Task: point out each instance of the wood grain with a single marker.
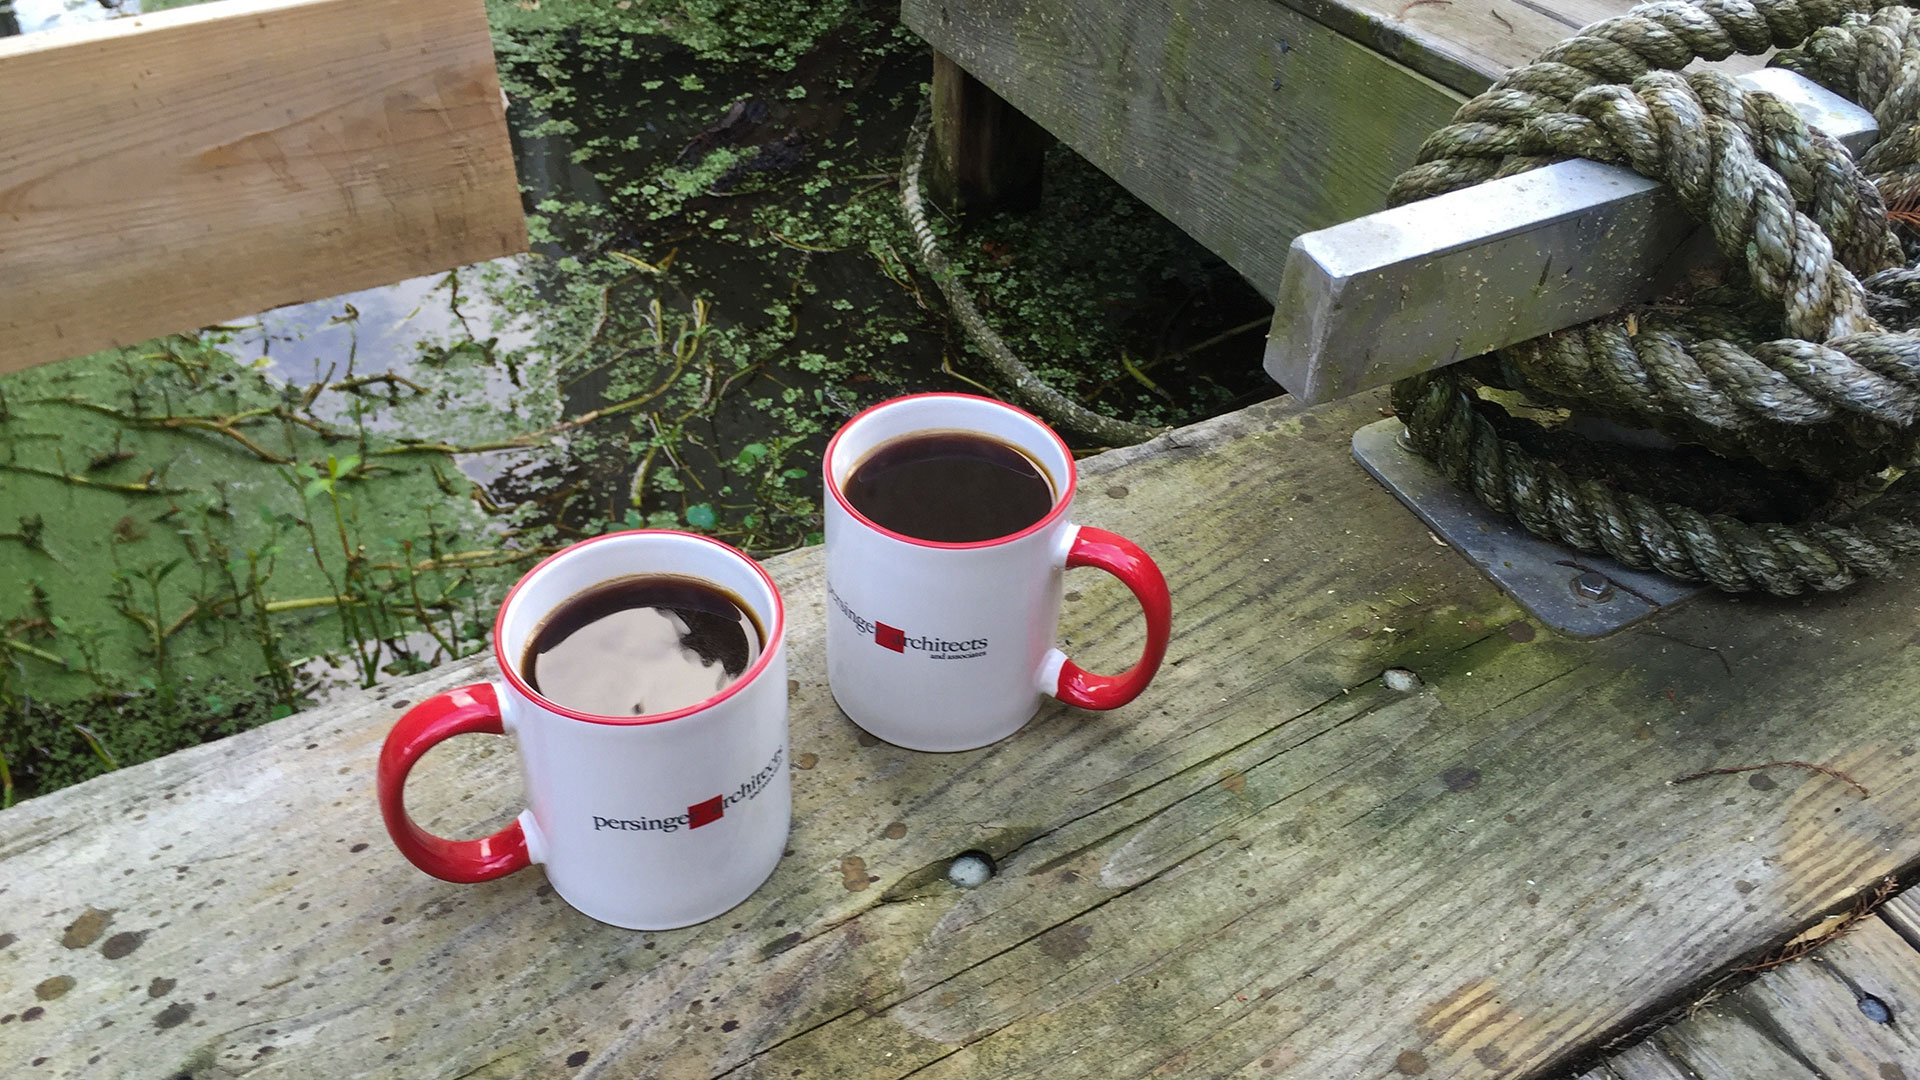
(1269, 865)
(173, 170)
(1804, 1019)
(1464, 46)
(1719, 1044)
(1242, 121)
(1645, 1062)
(1902, 913)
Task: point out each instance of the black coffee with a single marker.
(952, 487)
(641, 645)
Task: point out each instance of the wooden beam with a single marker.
(172, 170)
(1242, 121)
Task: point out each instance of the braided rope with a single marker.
(1030, 389)
(1802, 374)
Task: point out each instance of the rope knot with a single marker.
(1797, 373)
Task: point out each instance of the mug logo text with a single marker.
(897, 640)
(701, 813)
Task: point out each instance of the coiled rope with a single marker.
(1807, 370)
(1027, 388)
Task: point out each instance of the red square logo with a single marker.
(704, 813)
(889, 637)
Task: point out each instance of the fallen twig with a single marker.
(1800, 946)
(138, 487)
(36, 653)
(393, 381)
(1824, 769)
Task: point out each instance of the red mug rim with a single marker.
(776, 636)
(1060, 504)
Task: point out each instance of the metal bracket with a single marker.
(1586, 596)
(1434, 282)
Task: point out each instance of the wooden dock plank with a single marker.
(1240, 121)
(1269, 865)
(1463, 46)
(1719, 1044)
(1813, 1007)
(173, 170)
(1645, 1062)
(1902, 913)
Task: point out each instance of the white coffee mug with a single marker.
(645, 822)
(950, 646)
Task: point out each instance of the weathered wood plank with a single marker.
(1465, 46)
(1719, 1043)
(1269, 865)
(1465, 49)
(1427, 284)
(1813, 1007)
(1646, 1061)
(1243, 122)
(1902, 913)
(173, 170)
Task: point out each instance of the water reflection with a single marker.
(443, 338)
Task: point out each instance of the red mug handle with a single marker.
(470, 709)
(1123, 559)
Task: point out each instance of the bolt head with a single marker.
(1592, 585)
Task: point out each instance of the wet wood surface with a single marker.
(168, 171)
(1270, 865)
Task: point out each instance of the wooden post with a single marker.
(986, 154)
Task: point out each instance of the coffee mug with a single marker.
(646, 822)
(950, 646)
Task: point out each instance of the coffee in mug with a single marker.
(641, 645)
(947, 536)
(655, 812)
(953, 487)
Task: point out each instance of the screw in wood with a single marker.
(970, 870)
